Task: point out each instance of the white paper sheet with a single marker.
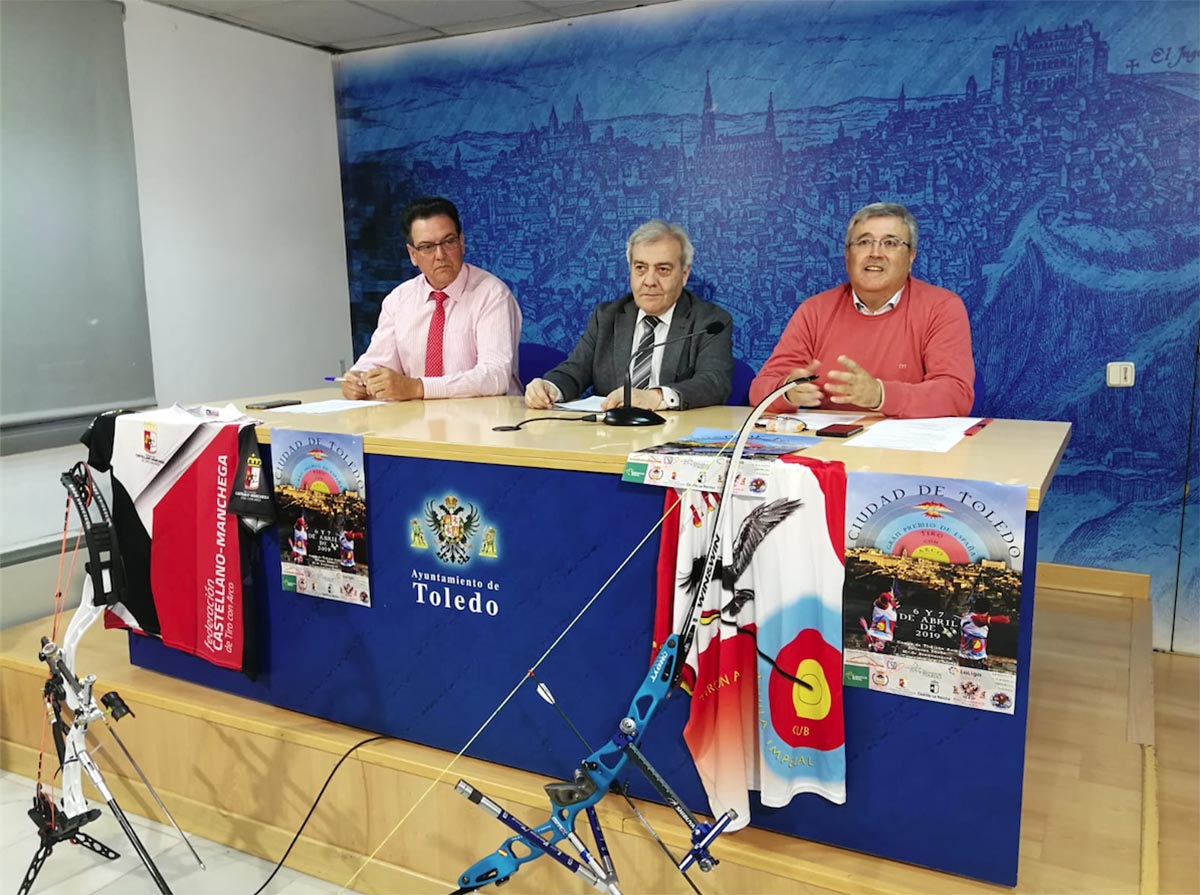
(936, 435)
(583, 405)
(334, 405)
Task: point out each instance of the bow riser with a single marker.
(593, 778)
(504, 862)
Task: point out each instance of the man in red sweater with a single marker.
(885, 341)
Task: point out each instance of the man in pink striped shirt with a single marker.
(451, 332)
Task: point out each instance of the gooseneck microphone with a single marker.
(627, 415)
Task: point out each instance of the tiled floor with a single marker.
(72, 870)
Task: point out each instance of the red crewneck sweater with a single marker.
(921, 351)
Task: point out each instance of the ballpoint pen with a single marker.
(978, 427)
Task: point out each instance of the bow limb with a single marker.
(70, 738)
(720, 546)
(102, 587)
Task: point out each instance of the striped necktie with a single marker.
(437, 328)
(643, 358)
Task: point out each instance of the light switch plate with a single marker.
(1120, 374)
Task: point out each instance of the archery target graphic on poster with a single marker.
(931, 607)
(936, 529)
(320, 490)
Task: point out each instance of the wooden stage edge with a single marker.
(244, 774)
(1101, 582)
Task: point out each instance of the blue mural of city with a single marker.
(1050, 152)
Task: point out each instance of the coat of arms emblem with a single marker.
(150, 438)
(253, 473)
(452, 525)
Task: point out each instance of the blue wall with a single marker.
(1048, 150)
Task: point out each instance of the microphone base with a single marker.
(632, 416)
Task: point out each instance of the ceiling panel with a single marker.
(361, 24)
(387, 40)
(473, 27)
(215, 7)
(439, 13)
(586, 7)
(323, 21)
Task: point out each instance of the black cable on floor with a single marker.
(308, 816)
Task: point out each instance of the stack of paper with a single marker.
(938, 434)
(701, 460)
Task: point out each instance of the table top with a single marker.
(1014, 452)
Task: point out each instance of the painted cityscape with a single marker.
(1049, 151)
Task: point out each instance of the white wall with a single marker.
(241, 215)
(31, 499)
(241, 207)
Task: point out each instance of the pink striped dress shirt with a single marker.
(483, 329)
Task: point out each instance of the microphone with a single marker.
(626, 415)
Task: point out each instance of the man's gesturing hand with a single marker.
(853, 385)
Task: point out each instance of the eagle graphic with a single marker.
(759, 523)
(933, 509)
(452, 525)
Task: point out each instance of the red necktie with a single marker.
(437, 327)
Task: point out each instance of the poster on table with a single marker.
(321, 500)
(931, 606)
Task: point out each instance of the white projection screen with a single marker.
(74, 337)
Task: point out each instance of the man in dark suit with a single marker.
(627, 336)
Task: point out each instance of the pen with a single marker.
(978, 427)
(335, 378)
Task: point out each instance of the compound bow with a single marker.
(103, 587)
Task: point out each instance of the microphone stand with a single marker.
(627, 414)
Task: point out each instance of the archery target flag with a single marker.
(765, 669)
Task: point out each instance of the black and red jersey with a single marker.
(181, 481)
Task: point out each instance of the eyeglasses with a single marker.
(888, 244)
(449, 244)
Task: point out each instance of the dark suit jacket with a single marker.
(699, 369)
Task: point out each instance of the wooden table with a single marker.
(434, 673)
(1013, 452)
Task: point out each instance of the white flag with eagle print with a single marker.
(765, 669)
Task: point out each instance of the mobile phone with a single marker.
(271, 405)
(840, 430)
